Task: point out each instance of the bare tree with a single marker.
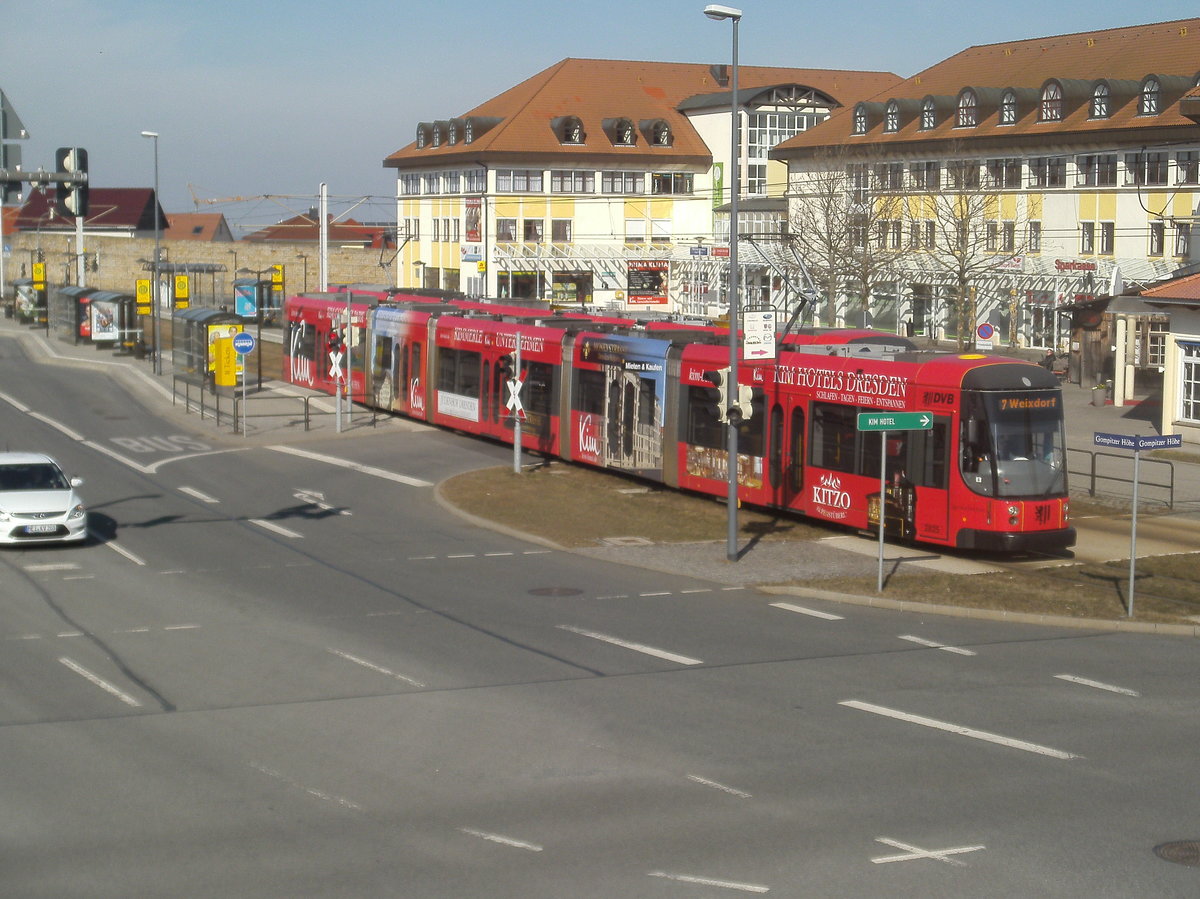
(846, 220)
(977, 232)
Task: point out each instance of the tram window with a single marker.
(303, 341)
(834, 429)
(383, 359)
(458, 372)
(703, 428)
(538, 389)
(358, 349)
(775, 455)
(796, 469)
(589, 397)
(897, 453)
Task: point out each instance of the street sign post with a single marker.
(1137, 443)
(243, 345)
(884, 422)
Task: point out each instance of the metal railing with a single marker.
(242, 415)
(1097, 471)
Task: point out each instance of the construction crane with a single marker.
(212, 202)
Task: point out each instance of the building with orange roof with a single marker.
(606, 181)
(1086, 149)
(205, 226)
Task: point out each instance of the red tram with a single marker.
(989, 475)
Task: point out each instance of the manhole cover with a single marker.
(555, 591)
(1182, 852)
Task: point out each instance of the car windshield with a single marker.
(32, 476)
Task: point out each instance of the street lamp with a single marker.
(718, 12)
(157, 239)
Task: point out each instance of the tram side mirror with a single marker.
(972, 430)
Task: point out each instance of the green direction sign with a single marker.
(895, 421)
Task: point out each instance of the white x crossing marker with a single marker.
(912, 853)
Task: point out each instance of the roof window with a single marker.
(967, 115)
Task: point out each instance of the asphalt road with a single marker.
(282, 669)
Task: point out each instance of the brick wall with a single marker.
(118, 263)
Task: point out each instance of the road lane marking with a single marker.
(14, 402)
(503, 840)
(353, 466)
(99, 682)
(56, 566)
(373, 667)
(741, 794)
(277, 528)
(119, 549)
(46, 419)
(787, 606)
(709, 882)
(912, 853)
(319, 794)
(636, 647)
(934, 645)
(1097, 684)
(196, 494)
(958, 729)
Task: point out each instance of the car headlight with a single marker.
(78, 512)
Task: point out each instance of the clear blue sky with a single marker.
(274, 98)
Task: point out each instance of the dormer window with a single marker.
(1101, 107)
(661, 134)
(968, 110)
(569, 130)
(421, 137)
(860, 119)
(437, 136)
(1150, 97)
(1052, 103)
(625, 133)
(452, 134)
(1008, 108)
(891, 117)
(928, 115)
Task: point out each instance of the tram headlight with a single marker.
(1014, 515)
(1066, 512)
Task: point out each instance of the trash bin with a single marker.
(1099, 395)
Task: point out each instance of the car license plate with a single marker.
(40, 528)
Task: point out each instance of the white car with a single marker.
(38, 503)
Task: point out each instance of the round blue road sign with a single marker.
(243, 343)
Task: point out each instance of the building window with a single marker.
(410, 184)
(1150, 97)
(622, 183)
(925, 175)
(660, 231)
(519, 180)
(1189, 381)
(566, 181)
(1146, 168)
(534, 229)
(964, 174)
(476, 181)
(506, 230)
(1048, 171)
(1183, 242)
(1008, 237)
(453, 182)
(661, 134)
(1096, 170)
(1035, 237)
(889, 176)
(1107, 236)
(891, 117)
(420, 137)
(560, 231)
(928, 116)
(667, 183)
(572, 131)
(914, 235)
(1004, 173)
(993, 236)
(431, 184)
(860, 119)
(624, 134)
(1087, 238)
(635, 230)
(1157, 235)
(1187, 167)
(1156, 342)
(968, 110)
(1008, 108)
(436, 237)
(1100, 102)
(930, 234)
(1052, 103)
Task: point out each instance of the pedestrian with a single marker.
(1048, 360)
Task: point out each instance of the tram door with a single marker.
(632, 439)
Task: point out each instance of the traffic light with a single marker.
(718, 394)
(333, 343)
(71, 198)
(743, 409)
(504, 367)
(10, 158)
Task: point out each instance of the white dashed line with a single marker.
(504, 841)
(709, 882)
(958, 729)
(377, 668)
(788, 607)
(99, 682)
(933, 645)
(278, 529)
(120, 550)
(719, 786)
(196, 494)
(1083, 681)
(636, 647)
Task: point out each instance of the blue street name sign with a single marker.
(1137, 441)
(243, 343)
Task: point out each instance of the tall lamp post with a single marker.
(718, 12)
(153, 135)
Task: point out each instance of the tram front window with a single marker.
(1015, 445)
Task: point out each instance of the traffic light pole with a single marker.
(517, 411)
